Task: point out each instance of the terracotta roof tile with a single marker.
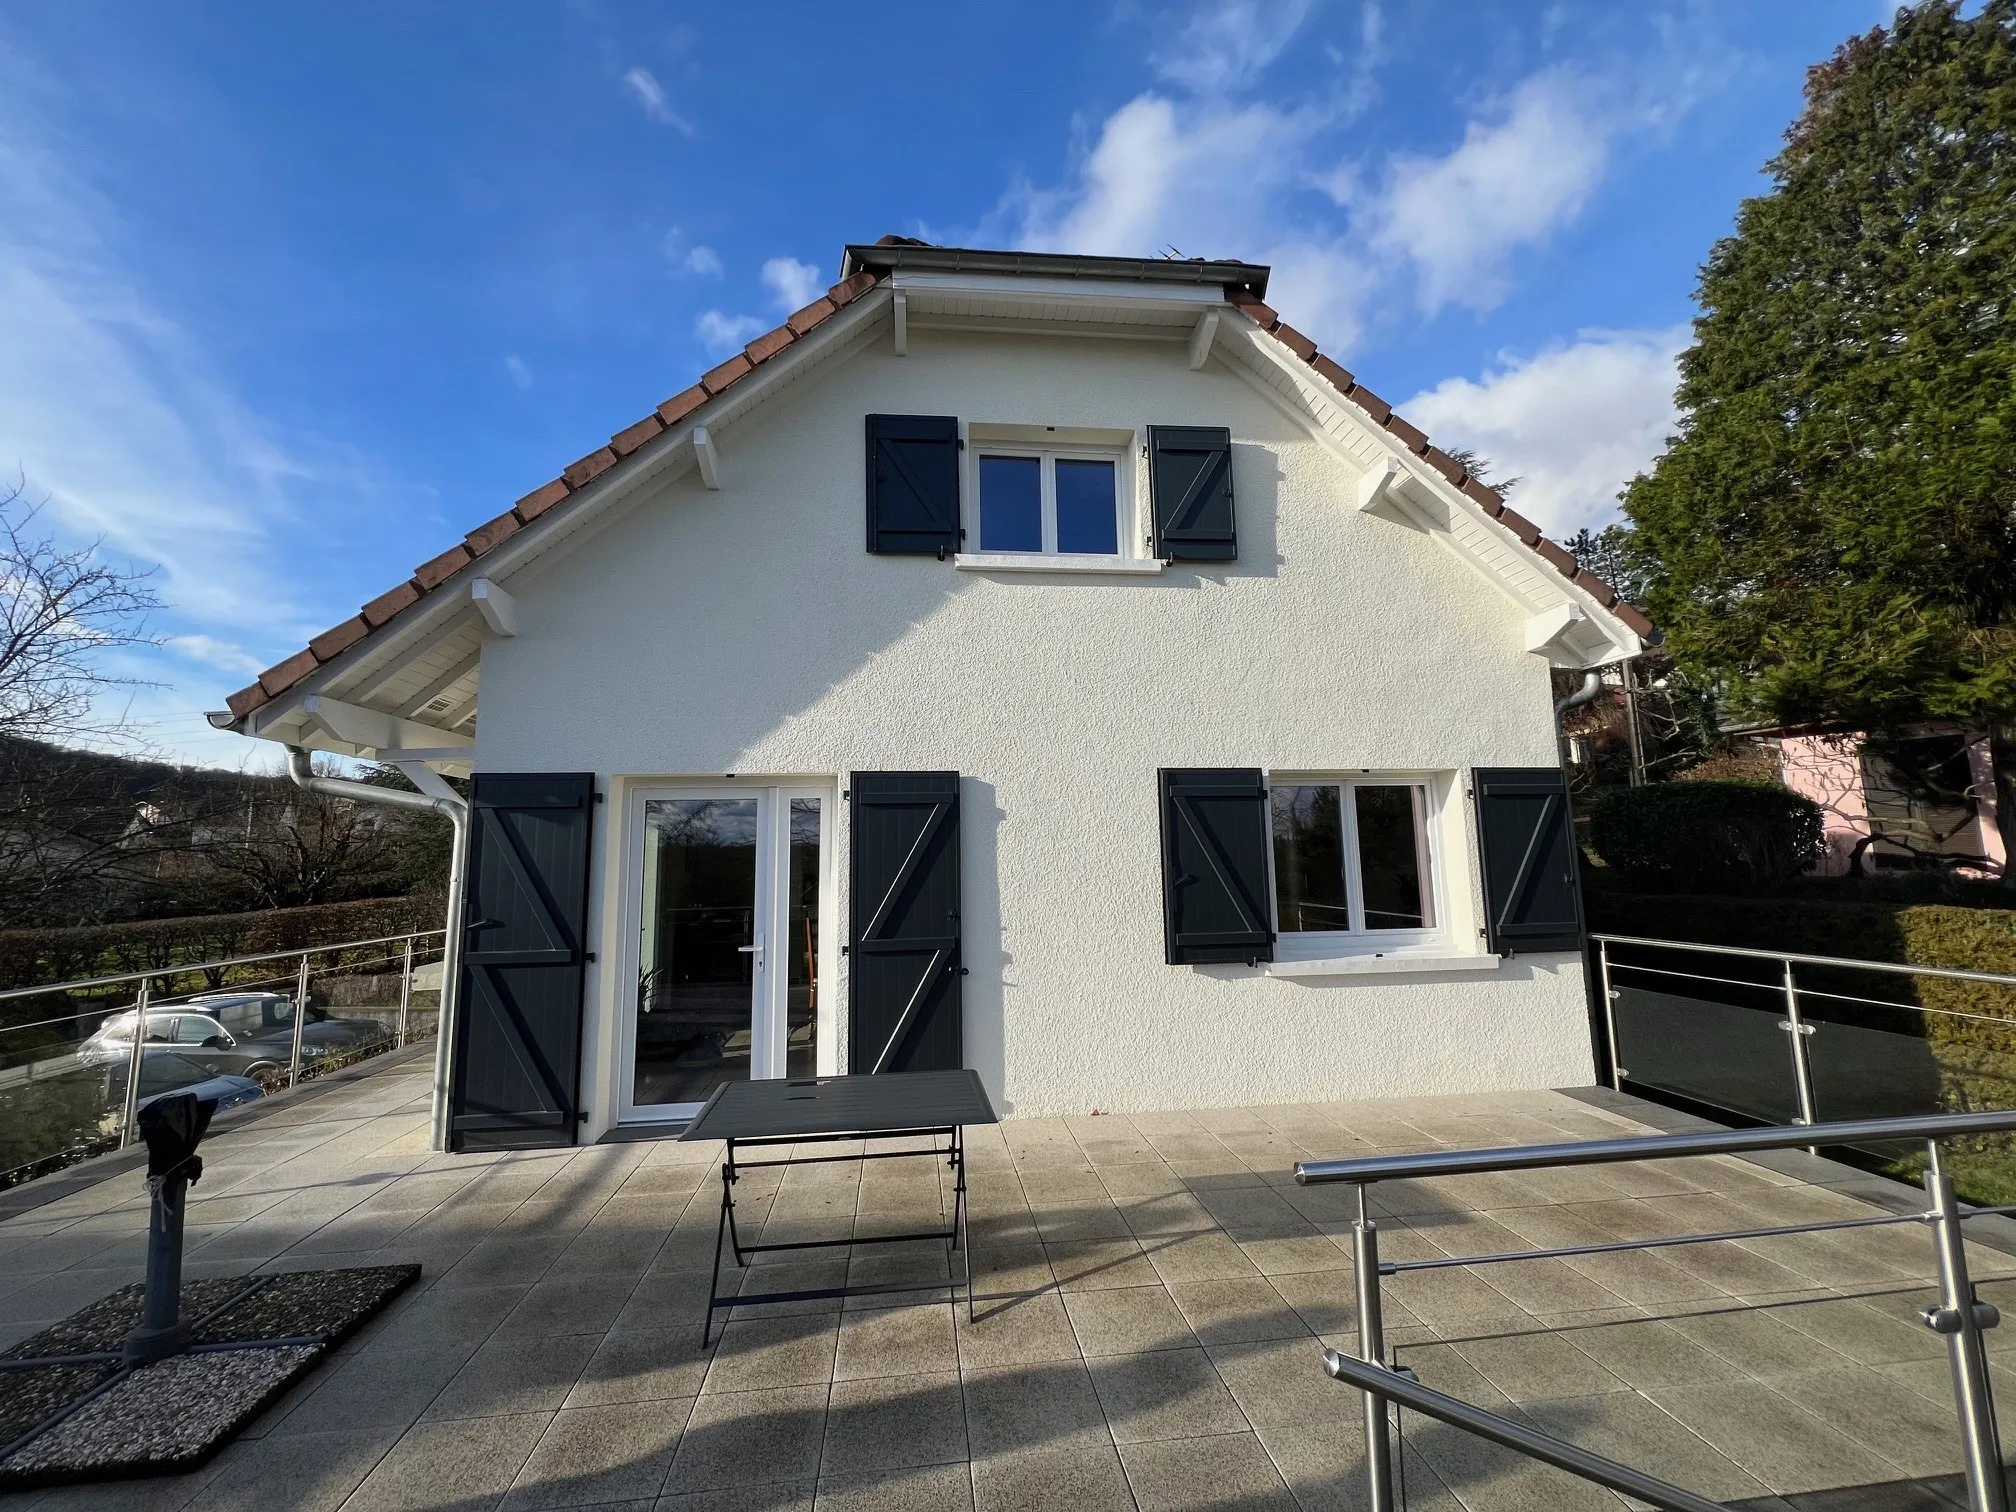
(277, 679)
(682, 404)
(1337, 377)
(337, 639)
(493, 533)
(1559, 558)
(432, 574)
(1370, 402)
(734, 370)
(1416, 439)
(245, 700)
(1633, 616)
(628, 440)
(848, 290)
(1295, 341)
(1255, 309)
(541, 499)
(580, 474)
(1519, 525)
(1445, 464)
(814, 315)
(1601, 591)
(1485, 494)
(769, 344)
(389, 603)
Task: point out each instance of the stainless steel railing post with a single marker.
(129, 1116)
(1372, 1350)
(1799, 1031)
(1610, 1014)
(1961, 1317)
(405, 990)
(300, 1022)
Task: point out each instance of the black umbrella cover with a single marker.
(173, 1127)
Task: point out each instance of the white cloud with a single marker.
(224, 655)
(1457, 219)
(520, 374)
(722, 332)
(651, 95)
(792, 284)
(700, 260)
(1227, 45)
(1577, 422)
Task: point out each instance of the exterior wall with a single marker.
(1828, 769)
(747, 631)
(1835, 772)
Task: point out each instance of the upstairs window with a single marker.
(1352, 858)
(1049, 502)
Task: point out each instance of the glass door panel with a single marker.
(700, 948)
(801, 940)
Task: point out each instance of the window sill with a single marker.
(1039, 561)
(1392, 961)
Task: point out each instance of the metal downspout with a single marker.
(1592, 684)
(451, 946)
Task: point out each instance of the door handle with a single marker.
(755, 950)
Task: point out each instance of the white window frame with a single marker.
(1126, 506)
(769, 994)
(1337, 944)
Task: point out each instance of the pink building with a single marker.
(1866, 804)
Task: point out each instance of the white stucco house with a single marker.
(1048, 664)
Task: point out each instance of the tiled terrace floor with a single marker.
(1153, 1293)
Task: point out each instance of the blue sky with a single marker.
(291, 297)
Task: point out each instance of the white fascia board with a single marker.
(1427, 496)
(1116, 293)
(407, 636)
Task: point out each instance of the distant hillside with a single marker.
(87, 837)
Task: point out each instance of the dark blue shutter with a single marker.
(517, 1053)
(913, 483)
(1214, 866)
(1190, 481)
(1526, 833)
(904, 922)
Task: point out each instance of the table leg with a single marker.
(725, 1226)
(959, 1239)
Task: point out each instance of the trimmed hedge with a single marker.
(32, 956)
(1706, 836)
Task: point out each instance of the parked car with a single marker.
(233, 1033)
(164, 1071)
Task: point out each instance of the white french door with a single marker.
(726, 979)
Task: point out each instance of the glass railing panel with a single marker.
(1723, 1054)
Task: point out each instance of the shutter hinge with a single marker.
(843, 950)
(582, 1116)
(597, 796)
(846, 795)
(962, 443)
(588, 956)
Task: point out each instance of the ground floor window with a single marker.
(728, 943)
(1352, 859)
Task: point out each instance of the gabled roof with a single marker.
(865, 266)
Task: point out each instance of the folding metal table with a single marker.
(825, 1110)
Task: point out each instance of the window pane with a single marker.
(1309, 859)
(801, 942)
(1086, 516)
(1011, 504)
(695, 996)
(1393, 858)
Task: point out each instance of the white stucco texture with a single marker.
(748, 631)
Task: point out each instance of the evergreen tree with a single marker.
(1832, 534)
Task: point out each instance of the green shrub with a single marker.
(1706, 836)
